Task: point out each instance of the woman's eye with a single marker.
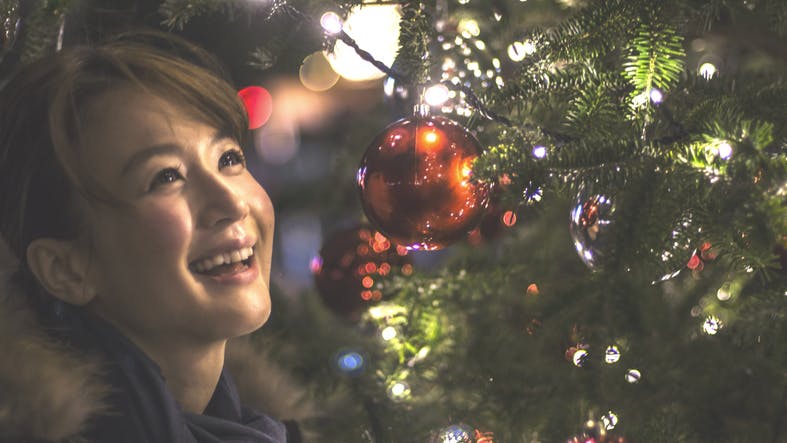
(232, 157)
(165, 177)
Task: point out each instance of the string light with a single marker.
(707, 70)
(388, 333)
(331, 23)
(656, 96)
(725, 150)
(539, 151)
(612, 355)
(633, 376)
(436, 95)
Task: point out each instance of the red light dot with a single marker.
(370, 267)
(384, 269)
(532, 289)
(377, 295)
(367, 282)
(407, 269)
(694, 262)
(401, 250)
(509, 218)
(362, 250)
(258, 103)
(366, 295)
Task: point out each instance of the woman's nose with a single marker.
(222, 202)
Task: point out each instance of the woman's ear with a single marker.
(61, 267)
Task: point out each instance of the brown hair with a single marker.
(43, 111)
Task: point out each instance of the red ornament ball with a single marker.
(415, 186)
(350, 263)
(258, 103)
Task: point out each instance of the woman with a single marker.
(143, 242)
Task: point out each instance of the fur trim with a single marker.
(47, 392)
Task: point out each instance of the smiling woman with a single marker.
(143, 240)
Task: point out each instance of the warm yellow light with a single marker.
(430, 137)
(316, 73)
(376, 29)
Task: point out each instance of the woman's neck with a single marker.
(192, 375)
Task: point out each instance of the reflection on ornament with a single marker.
(349, 362)
(633, 376)
(612, 354)
(590, 223)
(711, 325)
(258, 103)
(458, 433)
(345, 270)
(376, 27)
(316, 73)
(414, 181)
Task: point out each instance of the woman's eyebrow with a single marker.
(140, 157)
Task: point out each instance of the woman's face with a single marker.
(186, 255)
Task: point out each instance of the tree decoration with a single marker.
(592, 217)
(415, 182)
(458, 433)
(349, 264)
(258, 103)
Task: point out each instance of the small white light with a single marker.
(388, 333)
(633, 376)
(612, 354)
(723, 294)
(609, 421)
(469, 27)
(656, 96)
(539, 151)
(516, 51)
(711, 325)
(725, 151)
(707, 70)
(580, 358)
(331, 23)
(398, 390)
(436, 95)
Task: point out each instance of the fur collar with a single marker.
(49, 393)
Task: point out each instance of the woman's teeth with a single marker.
(226, 258)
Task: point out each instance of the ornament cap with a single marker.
(421, 110)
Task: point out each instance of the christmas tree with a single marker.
(608, 200)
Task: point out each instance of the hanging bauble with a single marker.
(414, 181)
(458, 433)
(592, 219)
(350, 263)
(616, 231)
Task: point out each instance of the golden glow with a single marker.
(376, 28)
(430, 137)
(316, 73)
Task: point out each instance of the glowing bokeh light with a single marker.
(398, 390)
(725, 150)
(376, 28)
(436, 95)
(609, 420)
(580, 358)
(516, 51)
(707, 70)
(349, 362)
(711, 325)
(316, 73)
(539, 151)
(331, 23)
(612, 355)
(656, 96)
(258, 103)
(388, 333)
(633, 376)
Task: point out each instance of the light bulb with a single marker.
(331, 23)
(436, 95)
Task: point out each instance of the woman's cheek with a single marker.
(166, 227)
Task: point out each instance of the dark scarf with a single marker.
(141, 409)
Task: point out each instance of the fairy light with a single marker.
(436, 95)
(707, 70)
(656, 96)
(516, 51)
(398, 390)
(331, 23)
(388, 333)
(612, 355)
(468, 28)
(711, 325)
(725, 150)
(609, 421)
(539, 151)
(633, 376)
